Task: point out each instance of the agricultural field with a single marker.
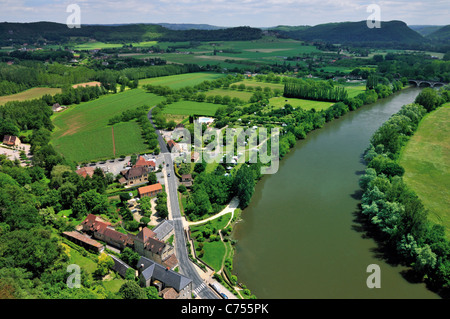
(31, 94)
(181, 80)
(190, 107)
(265, 50)
(243, 95)
(426, 160)
(82, 134)
(102, 45)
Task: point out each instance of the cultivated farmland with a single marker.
(82, 132)
(181, 80)
(34, 93)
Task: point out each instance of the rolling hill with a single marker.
(441, 35)
(50, 32)
(358, 32)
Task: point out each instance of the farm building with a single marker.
(11, 140)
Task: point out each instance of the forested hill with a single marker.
(50, 32)
(442, 35)
(358, 32)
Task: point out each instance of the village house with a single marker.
(85, 171)
(164, 230)
(142, 162)
(134, 176)
(103, 231)
(150, 190)
(186, 180)
(10, 140)
(148, 245)
(84, 241)
(173, 146)
(170, 284)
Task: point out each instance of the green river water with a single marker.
(300, 237)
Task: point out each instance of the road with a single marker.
(187, 268)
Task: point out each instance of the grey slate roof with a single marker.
(119, 266)
(163, 229)
(155, 271)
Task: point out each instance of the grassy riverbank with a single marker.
(426, 160)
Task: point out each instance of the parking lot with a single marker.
(117, 165)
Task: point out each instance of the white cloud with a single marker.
(257, 13)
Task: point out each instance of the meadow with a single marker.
(181, 80)
(265, 50)
(191, 107)
(426, 160)
(31, 94)
(279, 102)
(82, 132)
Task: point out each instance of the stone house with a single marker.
(170, 284)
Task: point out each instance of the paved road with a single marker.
(187, 268)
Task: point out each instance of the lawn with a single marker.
(214, 251)
(278, 102)
(426, 159)
(243, 95)
(181, 80)
(354, 90)
(34, 93)
(82, 134)
(191, 107)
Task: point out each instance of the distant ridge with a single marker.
(351, 32)
(51, 32)
(441, 35)
(425, 30)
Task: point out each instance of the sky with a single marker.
(226, 13)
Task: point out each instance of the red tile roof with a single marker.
(150, 188)
(141, 162)
(84, 171)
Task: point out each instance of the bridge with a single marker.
(427, 83)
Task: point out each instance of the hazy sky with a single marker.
(255, 13)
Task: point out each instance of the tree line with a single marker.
(393, 207)
(314, 90)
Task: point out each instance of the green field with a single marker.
(181, 80)
(265, 50)
(102, 45)
(34, 93)
(191, 107)
(243, 95)
(82, 134)
(426, 159)
(278, 102)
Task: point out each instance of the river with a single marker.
(299, 237)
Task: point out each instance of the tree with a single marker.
(152, 292)
(152, 179)
(131, 290)
(428, 98)
(104, 264)
(146, 206)
(244, 185)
